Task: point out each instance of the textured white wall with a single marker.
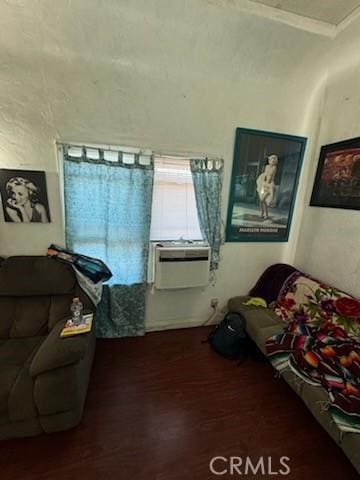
(173, 76)
(329, 240)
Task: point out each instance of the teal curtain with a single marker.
(107, 216)
(121, 312)
(208, 180)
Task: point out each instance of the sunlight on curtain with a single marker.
(108, 212)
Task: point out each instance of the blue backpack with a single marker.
(229, 338)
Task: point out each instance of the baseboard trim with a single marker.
(184, 323)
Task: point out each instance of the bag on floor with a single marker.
(229, 338)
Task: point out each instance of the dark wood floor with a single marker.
(160, 407)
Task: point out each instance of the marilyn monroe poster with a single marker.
(24, 196)
(265, 174)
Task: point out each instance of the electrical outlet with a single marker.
(214, 302)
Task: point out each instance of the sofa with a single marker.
(261, 324)
(43, 377)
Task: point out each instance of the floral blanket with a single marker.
(321, 343)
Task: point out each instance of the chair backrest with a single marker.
(35, 293)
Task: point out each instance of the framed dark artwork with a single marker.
(24, 196)
(337, 180)
(265, 174)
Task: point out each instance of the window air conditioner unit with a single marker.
(181, 266)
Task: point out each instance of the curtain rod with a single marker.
(157, 153)
(110, 148)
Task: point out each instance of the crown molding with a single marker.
(294, 20)
(281, 16)
(355, 14)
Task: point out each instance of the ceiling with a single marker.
(328, 11)
(159, 73)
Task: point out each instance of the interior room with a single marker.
(179, 239)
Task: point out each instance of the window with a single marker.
(174, 212)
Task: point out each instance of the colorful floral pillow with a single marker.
(304, 300)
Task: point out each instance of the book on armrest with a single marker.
(76, 329)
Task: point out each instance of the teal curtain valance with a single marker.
(207, 165)
(112, 158)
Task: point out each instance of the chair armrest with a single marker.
(56, 351)
(236, 304)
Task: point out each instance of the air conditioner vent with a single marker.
(181, 267)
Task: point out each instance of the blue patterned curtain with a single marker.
(208, 180)
(107, 215)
